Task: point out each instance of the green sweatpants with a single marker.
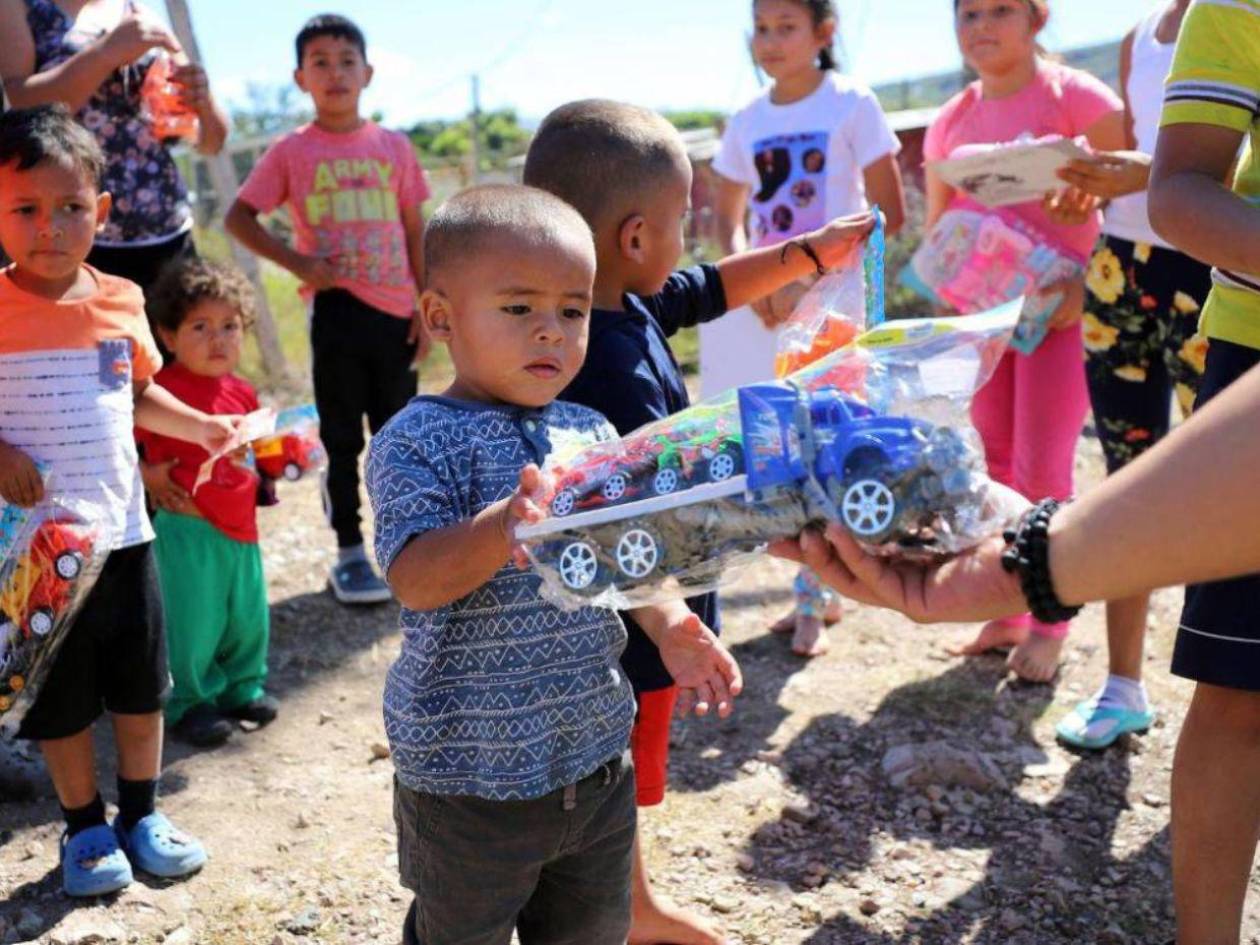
(217, 619)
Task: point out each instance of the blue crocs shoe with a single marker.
(157, 846)
(1095, 727)
(93, 864)
(354, 582)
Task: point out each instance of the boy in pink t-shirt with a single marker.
(353, 191)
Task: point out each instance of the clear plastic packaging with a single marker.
(50, 556)
(162, 105)
(294, 448)
(875, 435)
(975, 259)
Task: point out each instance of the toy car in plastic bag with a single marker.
(294, 449)
(975, 259)
(50, 560)
(874, 436)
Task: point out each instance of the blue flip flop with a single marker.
(93, 864)
(1094, 727)
(157, 846)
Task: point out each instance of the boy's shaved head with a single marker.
(475, 219)
(603, 157)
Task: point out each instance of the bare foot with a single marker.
(995, 635)
(663, 923)
(1036, 659)
(809, 639)
(785, 624)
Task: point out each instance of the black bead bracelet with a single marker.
(1028, 553)
(807, 248)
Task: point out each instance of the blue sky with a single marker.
(535, 54)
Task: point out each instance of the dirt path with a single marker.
(781, 821)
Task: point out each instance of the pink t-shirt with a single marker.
(1059, 101)
(345, 194)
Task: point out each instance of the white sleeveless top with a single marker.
(1127, 217)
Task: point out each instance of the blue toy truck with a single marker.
(806, 457)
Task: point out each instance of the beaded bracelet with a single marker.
(1028, 553)
(804, 246)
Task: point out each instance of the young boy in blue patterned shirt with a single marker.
(508, 718)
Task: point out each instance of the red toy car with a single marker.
(289, 455)
(36, 585)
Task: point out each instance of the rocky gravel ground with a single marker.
(885, 793)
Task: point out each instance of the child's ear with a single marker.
(167, 337)
(299, 79)
(631, 236)
(369, 73)
(826, 32)
(435, 312)
(104, 201)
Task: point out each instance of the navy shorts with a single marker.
(114, 655)
(1219, 639)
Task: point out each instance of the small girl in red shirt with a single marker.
(209, 561)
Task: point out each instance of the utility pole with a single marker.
(223, 177)
(475, 131)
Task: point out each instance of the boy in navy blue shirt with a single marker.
(626, 171)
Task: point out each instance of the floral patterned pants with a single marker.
(1141, 342)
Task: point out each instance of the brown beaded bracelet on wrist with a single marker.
(1028, 554)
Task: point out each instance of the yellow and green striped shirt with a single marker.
(1215, 80)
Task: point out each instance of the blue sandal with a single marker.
(1095, 727)
(156, 846)
(93, 864)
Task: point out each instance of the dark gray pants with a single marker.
(556, 869)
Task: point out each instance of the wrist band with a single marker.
(804, 246)
(1028, 553)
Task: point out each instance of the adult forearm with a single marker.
(441, 566)
(1187, 511)
(1202, 217)
(72, 82)
(214, 129)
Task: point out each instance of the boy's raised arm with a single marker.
(752, 275)
(160, 411)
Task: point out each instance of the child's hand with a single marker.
(524, 507)
(836, 243)
(1071, 308)
(164, 490)
(216, 433)
(194, 87)
(316, 271)
(20, 481)
(704, 670)
(1070, 207)
(1109, 175)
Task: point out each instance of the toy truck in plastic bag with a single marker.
(50, 556)
(294, 449)
(874, 436)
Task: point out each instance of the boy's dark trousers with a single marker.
(556, 869)
(362, 366)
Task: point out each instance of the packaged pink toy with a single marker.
(976, 259)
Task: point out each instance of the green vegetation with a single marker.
(501, 137)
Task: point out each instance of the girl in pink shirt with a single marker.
(1031, 412)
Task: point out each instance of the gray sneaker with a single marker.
(354, 582)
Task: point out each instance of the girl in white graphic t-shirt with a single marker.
(813, 147)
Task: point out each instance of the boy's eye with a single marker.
(576, 314)
(517, 309)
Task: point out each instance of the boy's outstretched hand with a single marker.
(20, 481)
(837, 243)
(706, 674)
